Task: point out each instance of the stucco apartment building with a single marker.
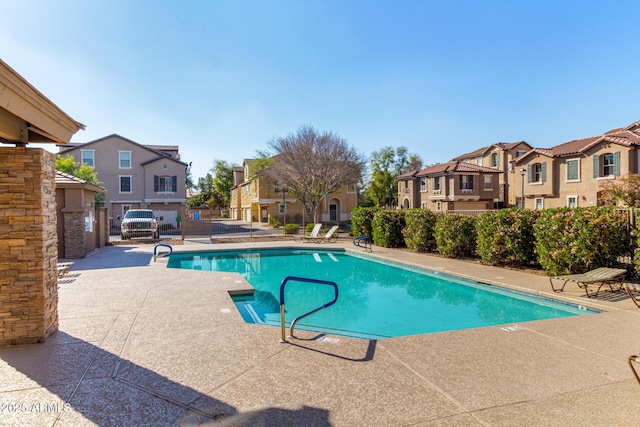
(566, 175)
(479, 180)
(572, 174)
(135, 176)
(258, 198)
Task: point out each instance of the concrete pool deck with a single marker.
(140, 344)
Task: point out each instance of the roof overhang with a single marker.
(26, 115)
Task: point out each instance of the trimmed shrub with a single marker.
(361, 219)
(456, 235)
(387, 228)
(274, 222)
(506, 237)
(291, 229)
(309, 227)
(580, 239)
(419, 229)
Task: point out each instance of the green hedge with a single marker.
(361, 219)
(387, 228)
(506, 237)
(419, 229)
(456, 235)
(291, 229)
(575, 240)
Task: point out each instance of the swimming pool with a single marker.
(377, 299)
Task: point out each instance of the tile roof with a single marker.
(455, 166)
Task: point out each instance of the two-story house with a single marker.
(135, 175)
(257, 198)
(452, 186)
(500, 156)
(571, 174)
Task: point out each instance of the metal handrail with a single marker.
(155, 250)
(293, 323)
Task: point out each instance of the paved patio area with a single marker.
(140, 344)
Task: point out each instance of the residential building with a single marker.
(571, 174)
(135, 176)
(258, 198)
(450, 187)
(500, 156)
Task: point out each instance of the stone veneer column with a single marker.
(28, 246)
(74, 235)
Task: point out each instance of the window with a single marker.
(537, 173)
(488, 182)
(351, 188)
(539, 203)
(495, 160)
(606, 165)
(437, 183)
(125, 183)
(88, 157)
(280, 208)
(467, 160)
(439, 206)
(572, 201)
(423, 184)
(520, 153)
(124, 158)
(423, 205)
(165, 184)
(479, 161)
(573, 168)
(466, 182)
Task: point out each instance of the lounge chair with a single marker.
(313, 236)
(332, 235)
(632, 288)
(599, 277)
(63, 268)
(634, 359)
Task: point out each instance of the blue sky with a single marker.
(222, 78)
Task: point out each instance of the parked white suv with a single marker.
(139, 223)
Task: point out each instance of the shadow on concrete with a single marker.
(112, 257)
(96, 385)
(368, 356)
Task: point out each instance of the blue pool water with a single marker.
(376, 299)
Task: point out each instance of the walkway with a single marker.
(140, 344)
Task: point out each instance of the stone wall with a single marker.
(74, 234)
(28, 246)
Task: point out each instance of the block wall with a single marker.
(28, 246)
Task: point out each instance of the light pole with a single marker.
(523, 172)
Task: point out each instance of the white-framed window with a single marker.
(467, 160)
(88, 157)
(437, 183)
(423, 184)
(488, 182)
(539, 203)
(479, 160)
(573, 170)
(607, 164)
(165, 184)
(520, 153)
(124, 184)
(423, 205)
(572, 201)
(351, 188)
(125, 209)
(536, 172)
(466, 182)
(124, 159)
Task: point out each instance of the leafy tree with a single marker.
(386, 165)
(205, 186)
(68, 165)
(222, 182)
(625, 190)
(189, 180)
(311, 165)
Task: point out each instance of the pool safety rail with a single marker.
(164, 255)
(293, 323)
(363, 242)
